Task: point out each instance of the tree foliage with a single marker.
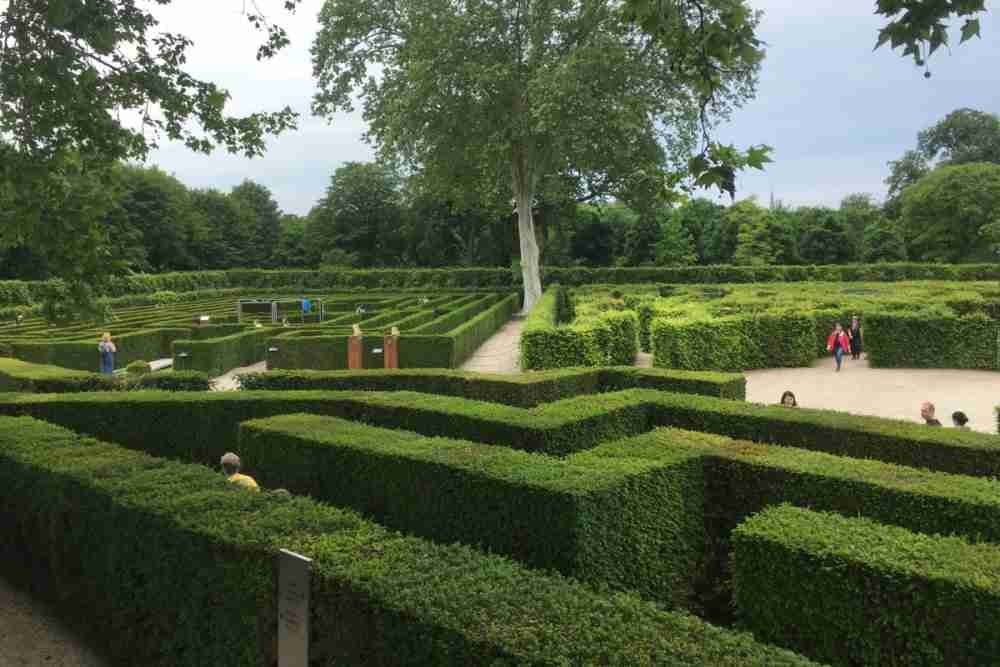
(825, 238)
(753, 246)
(950, 215)
(883, 242)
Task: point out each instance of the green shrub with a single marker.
(152, 552)
(138, 368)
(608, 522)
(21, 376)
(153, 343)
(854, 592)
(171, 381)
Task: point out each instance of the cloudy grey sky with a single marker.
(834, 111)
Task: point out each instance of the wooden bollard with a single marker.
(391, 347)
(355, 350)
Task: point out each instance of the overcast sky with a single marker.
(835, 111)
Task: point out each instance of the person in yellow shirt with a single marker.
(231, 467)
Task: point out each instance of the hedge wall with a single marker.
(21, 376)
(854, 592)
(215, 356)
(611, 340)
(900, 340)
(83, 355)
(15, 293)
(734, 344)
(527, 390)
(151, 553)
(605, 522)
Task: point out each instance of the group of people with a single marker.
(927, 410)
(841, 341)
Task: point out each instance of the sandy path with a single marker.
(228, 382)
(884, 392)
(501, 353)
(31, 635)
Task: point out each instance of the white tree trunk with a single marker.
(524, 194)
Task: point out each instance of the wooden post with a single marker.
(391, 347)
(355, 351)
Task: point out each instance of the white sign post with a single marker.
(293, 609)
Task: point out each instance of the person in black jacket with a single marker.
(854, 333)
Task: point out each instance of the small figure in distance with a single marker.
(230, 463)
(20, 318)
(284, 322)
(356, 330)
(960, 419)
(257, 324)
(927, 412)
(788, 400)
(838, 343)
(854, 333)
(107, 348)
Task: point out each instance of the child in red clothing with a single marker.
(838, 343)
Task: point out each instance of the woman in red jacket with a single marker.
(838, 343)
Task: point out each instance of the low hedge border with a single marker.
(154, 552)
(526, 390)
(83, 355)
(611, 340)
(851, 591)
(21, 376)
(605, 522)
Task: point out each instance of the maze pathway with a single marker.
(501, 352)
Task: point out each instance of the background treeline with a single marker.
(943, 205)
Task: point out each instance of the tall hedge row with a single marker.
(853, 592)
(215, 356)
(21, 376)
(608, 522)
(172, 566)
(143, 345)
(16, 293)
(610, 341)
(923, 341)
(734, 343)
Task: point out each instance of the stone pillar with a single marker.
(391, 348)
(355, 351)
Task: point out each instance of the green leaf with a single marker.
(970, 30)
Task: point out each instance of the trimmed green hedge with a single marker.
(83, 354)
(854, 592)
(901, 340)
(607, 522)
(150, 553)
(734, 343)
(525, 390)
(611, 340)
(215, 356)
(21, 376)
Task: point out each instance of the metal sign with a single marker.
(293, 609)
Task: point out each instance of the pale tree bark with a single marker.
(524, 194)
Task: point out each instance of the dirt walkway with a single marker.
(884, 392)
(501, 353)
(31, 635)
(228, 381)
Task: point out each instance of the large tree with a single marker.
(267, 220)
(753, 245)
(951, 214)
(504, 96)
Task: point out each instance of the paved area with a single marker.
(228, 381)
(884, 392)
(501, 353)
(31, 635)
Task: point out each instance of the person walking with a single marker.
(788, 400)
(231, 465)
(960, 420)
(838, 343)
(107, 348)
(927, 414)
(854, 333)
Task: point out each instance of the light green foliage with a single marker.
(950, 214)
(883, 242)
(753, 246)
(675, 246)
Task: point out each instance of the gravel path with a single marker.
(228, 381)
(31, 635)
(501, 353)
(884, 392)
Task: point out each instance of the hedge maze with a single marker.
(591, 516)
(208, 335)
(733, 327)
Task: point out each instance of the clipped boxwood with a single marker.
(139, 367)
(903, 340)
(151, 552)
(215, 356)
(17, 375)
(853, 592)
